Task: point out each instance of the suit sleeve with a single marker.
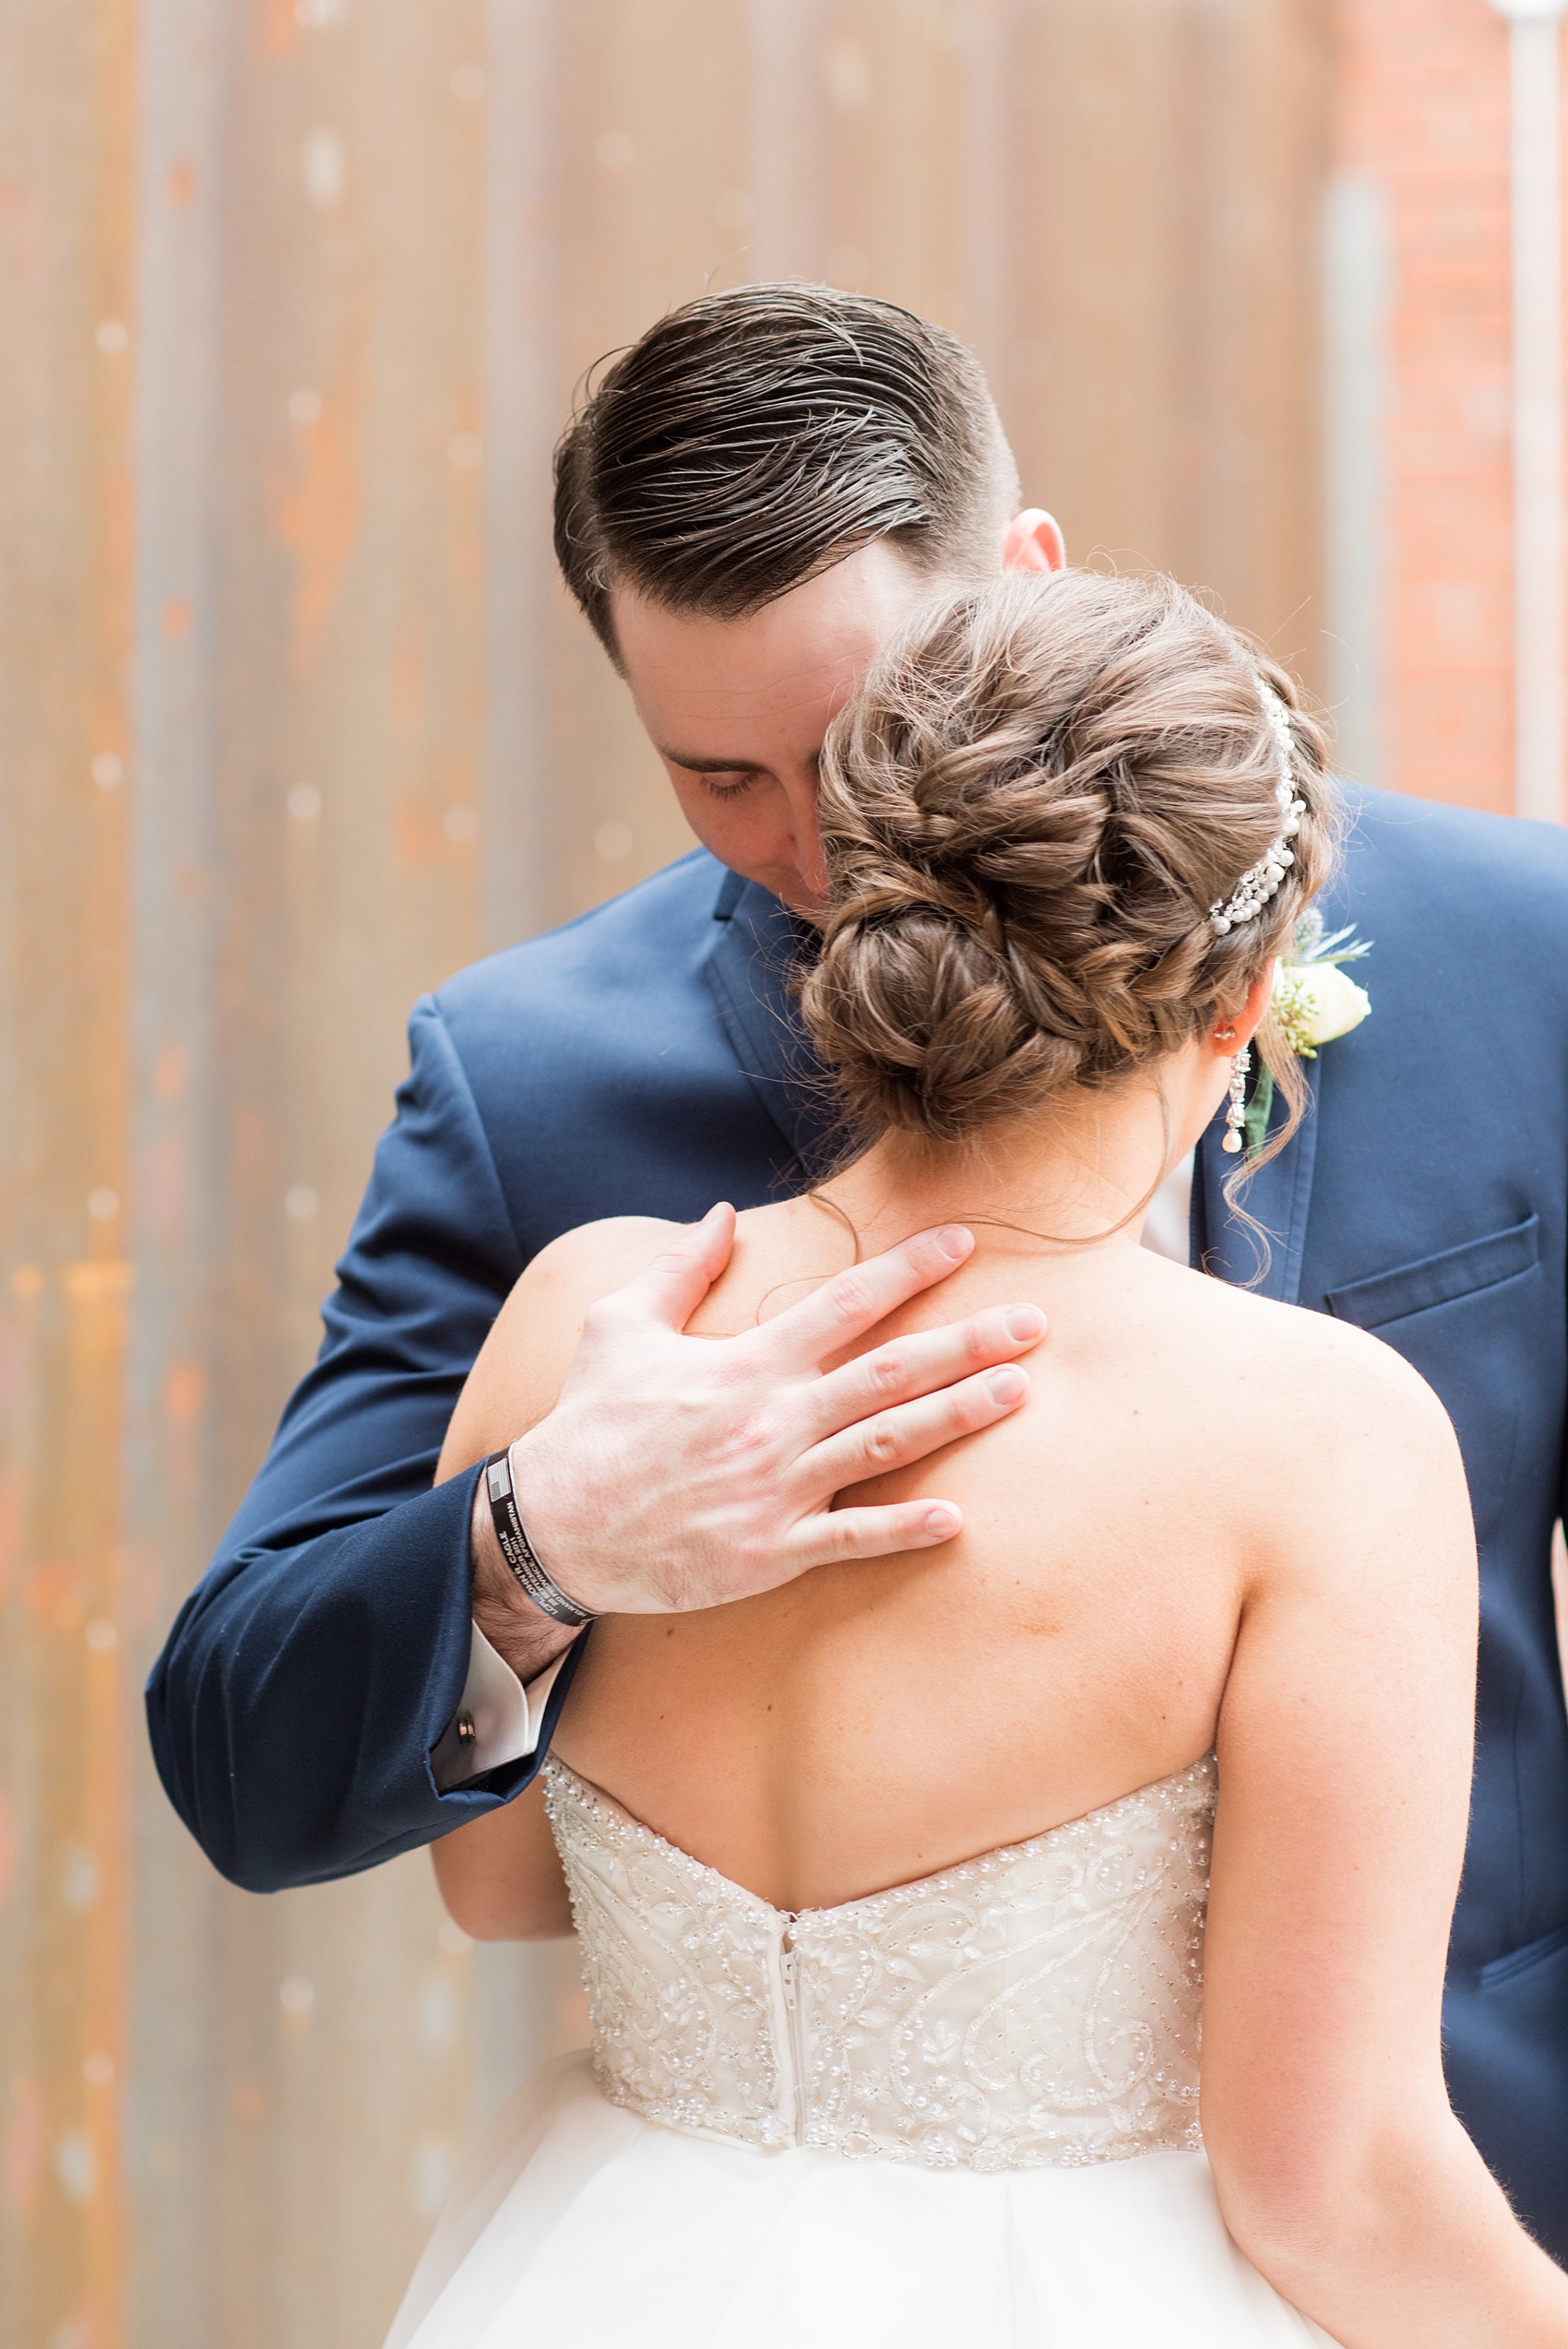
(308, 1675)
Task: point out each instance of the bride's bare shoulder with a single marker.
(519, 1369)
(587, 1263)
(1323, 1403)
(524, 1361)
(1292, 1349)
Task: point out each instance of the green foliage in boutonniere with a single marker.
(1314, 1002)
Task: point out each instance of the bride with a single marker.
(895, 1885)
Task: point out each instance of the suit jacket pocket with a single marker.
(1439, 1280)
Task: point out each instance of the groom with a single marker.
(756, 495)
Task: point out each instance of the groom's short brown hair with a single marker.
(752, 437)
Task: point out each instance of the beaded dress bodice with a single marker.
(1036, 2007)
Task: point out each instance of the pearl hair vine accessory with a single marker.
(1259, 883)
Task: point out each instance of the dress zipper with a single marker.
(788, 1971)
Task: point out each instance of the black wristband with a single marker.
(531, 1578)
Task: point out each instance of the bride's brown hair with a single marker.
(1028, 812)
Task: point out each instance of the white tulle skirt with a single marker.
(580, 2227)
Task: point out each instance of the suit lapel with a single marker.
(1277, 1197)
(755, 947)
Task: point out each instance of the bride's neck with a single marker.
(1079, 1172)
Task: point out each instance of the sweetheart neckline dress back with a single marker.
(965, 2107)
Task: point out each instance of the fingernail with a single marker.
(941, 1522)
(955, 1241)
(1023, 1321)
(1005, 1385)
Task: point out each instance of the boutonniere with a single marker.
(1315, 1002)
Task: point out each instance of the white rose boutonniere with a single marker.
(1315, 1002)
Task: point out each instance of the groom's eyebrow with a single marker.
(711, 765)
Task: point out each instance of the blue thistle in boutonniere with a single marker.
(1315, 1002)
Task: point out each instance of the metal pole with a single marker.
(1534, 111)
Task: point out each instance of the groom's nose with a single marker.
(801, 795)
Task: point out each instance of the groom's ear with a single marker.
(1033, 541)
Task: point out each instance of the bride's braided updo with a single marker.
(1028, 812)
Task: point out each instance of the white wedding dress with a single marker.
(960, 2112)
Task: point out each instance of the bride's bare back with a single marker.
(1183, 1446)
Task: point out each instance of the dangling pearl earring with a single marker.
(1236, 1108)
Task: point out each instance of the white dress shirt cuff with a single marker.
(497, 1719)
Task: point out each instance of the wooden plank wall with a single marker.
(295, 721)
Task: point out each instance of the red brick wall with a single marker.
(1421, 104)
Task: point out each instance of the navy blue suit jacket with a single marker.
(645, 1060)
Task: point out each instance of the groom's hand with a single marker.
(680, 1472)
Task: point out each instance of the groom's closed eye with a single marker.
(723, 778)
